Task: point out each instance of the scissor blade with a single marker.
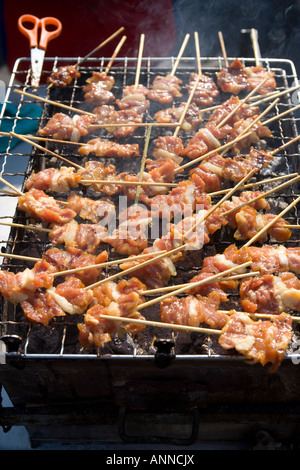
(37, 60)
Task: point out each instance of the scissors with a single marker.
(38, 45)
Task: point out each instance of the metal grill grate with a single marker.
(59, 339)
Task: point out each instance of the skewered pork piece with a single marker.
(215, 169)
(37, 204)
(158, 273)
(134, 97)
(244, 111)
(270, 293)
(129, 238)
(112, 299)
(208, 137)
(160, 171)
(214, 265)
(248, 223)
(53, 180)
(237, 78)
(72, 258)
(268, 259)
(193, 310)
(63, 127)
(107, 114)
(212, 171)
(192, 118)
(168, 147)
(261, 341)
(72, 296)
(106, 148)
(98, 89)
(185, 197)
(85, 237)
(233, 79)
(90, 209)
(265, 259)
(63, 76)
(233, 257)
(20, 286)
(41, 307)
(256, 75)
(164, 89)
(69, 297)
(206, 89)
(258, 131)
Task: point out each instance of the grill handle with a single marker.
(249, 45)
(164, 352)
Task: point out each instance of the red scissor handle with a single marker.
(33, 33)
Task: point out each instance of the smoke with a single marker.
(269, 17)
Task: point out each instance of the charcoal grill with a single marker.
(183, 383)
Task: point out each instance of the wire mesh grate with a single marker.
(17, 162)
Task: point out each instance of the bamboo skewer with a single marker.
(188, 284)
(181, 51)
(254, 37)
(44, 139)
(78, 269)
(25, 139)
(186, 328)
(193, 284)
(115, 54)
(186, 107)
(222, 44)
(102, 44)
(130, 183)
(139, 61)
(105, 264)
(159, 324)
(274, 94)
(16, 190)
(257, 183)
(143, 165)
(262, 315)
(19, 257)
(54, 103)
(198, 56)
(28, 227)
(94, 127)
(281, 115)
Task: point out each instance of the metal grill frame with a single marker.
(285, 68)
